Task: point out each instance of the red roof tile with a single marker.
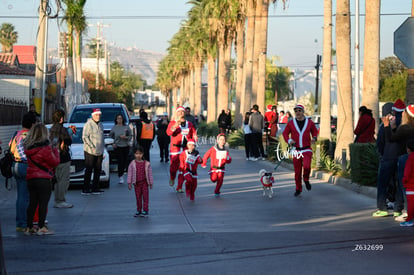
(26, 54)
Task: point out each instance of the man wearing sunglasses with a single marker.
(300, 133)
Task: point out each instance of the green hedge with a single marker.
(364, 163)
(207, 129)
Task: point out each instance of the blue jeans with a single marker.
(19, 170)
(385, 173)
(400, 192)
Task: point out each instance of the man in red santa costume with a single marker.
(180, 131)
(301, 133)
(189, 161)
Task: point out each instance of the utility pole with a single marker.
(98, 40)
(41, 56)
(356, 66)
(318, 64)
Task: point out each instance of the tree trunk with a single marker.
(345, 133)
(262, 46)
(191, 95)
(78, 81)
(211, 92)
(248, 61)
(223, 80)
(370, 92)
(239, 112)
(197, 88)
(325, 123)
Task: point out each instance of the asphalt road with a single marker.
(328, 230)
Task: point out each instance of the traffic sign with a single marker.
(404, 42)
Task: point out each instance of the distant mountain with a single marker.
(138, 61)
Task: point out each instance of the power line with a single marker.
(166, 17)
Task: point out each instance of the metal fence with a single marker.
(12, 111)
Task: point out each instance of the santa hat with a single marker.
(299, 106)
(191, 141)
(221, 134)
(269, 107)
(398, 106)
(410, 110)
(181, 108)
(96, 111)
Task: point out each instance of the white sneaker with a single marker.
(253, 159)
(401, 218)
(121, 180)
(63, 205)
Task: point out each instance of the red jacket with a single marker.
(189, 162)
(268, 116)
(219, 158)
(179, 135)
(365, 129)
(302, 138)
(408, 179)
(44, 155)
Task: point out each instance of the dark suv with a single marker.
(82, 112)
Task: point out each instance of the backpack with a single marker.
(6, 164)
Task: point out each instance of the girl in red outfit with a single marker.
(219, 157)
(298, 133)
(408, 182)
(189, 160)
(140, 175)
(42, 159)
(180, 130)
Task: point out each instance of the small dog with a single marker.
(267, 180)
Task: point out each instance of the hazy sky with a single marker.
(149, 24)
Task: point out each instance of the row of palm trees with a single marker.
(208, 35)
(214, 26)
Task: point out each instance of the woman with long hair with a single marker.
(42, 159)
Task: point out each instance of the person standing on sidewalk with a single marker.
(256, 124)
(387, 173)
(19, 170)
(93, 148)
(140, 175)
(62, 171)
(42, 159)
(408, 182)
(162, 137)
(121, 134)
(145, 134)
(180, 132)
(301, 133)
(219, 157)
(189, 160)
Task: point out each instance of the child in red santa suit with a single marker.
(189, 160)
(219, 157)
(301, 133)
(180, 130)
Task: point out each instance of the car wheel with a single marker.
(104, 184)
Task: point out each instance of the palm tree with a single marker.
(370, 91)
(8, 37)
(325, 125)
(80, 25)
(343, 52)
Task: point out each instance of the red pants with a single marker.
(410, 204)
(190, 185)
(174, 168)
(142, 194)
(217, 177)
(299, 162)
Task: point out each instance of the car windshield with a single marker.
(81, 115)
(77, 138)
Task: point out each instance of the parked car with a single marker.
(77, 165)
(82, 112)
